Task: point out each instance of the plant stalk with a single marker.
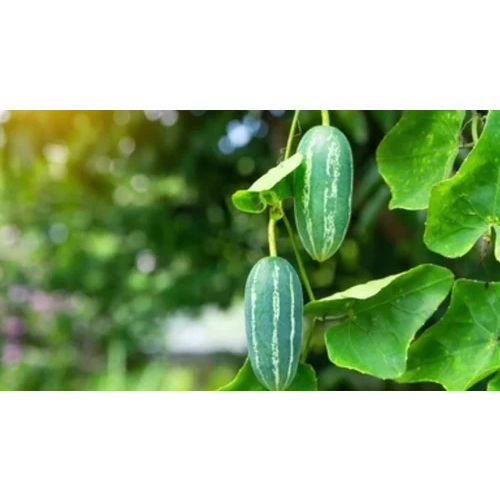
(325, 118)
(291, 134)
(271, 235)
(300, 263)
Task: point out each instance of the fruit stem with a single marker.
(325, 118)
(271, 235)
(300, 263)
(291, 134)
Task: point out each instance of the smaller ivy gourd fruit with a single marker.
(273, 322)
(323, 191)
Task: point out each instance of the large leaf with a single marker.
(494, 383)
(378, 320)
(417, 153)
(462, 348)
(465, 207)
(269, 189)
(245, 380)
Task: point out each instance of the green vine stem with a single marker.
(291, 134)
(271, 235)
(300, 263)
(302, 271)
(325, 118)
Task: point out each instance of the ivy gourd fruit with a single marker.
(323, 191)
(273, 321)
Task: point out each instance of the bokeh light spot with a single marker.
(146, 261)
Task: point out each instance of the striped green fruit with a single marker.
(273, 321)
(323, 191)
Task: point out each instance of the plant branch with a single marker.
(271, 235)
(325, 118)
(302, 269)
(291, 134)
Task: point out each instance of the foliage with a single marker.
(375, 322)
(370, 327)
(273, 187)
(417, 153)
(462, 347)
(467, 206)
(111, 222)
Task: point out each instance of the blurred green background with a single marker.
(123, 261)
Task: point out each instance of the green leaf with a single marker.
(462, 348)
(467, 206)
(245, 380)
(378, 320)
(269, 189)
(417, 153)
(494, 383)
